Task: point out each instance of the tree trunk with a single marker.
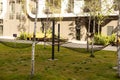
(88, 31)
(45, 37)
(34, 40)
(45, 29)
(92, 52)
(118, 46)
(98, 27)
(118, 61)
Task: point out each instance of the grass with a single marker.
(72, 64)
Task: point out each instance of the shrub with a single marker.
(112, 38)
(49, 33)
(99, 40)
(103, 40)
(23, 36)
(39, 35)
(29, 36)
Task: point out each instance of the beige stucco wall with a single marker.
(10, 26)
(111, 23)
(67, 29)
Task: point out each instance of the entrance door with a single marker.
(1, 30)
(78, 34)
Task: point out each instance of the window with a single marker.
(12, 9)
(78, 23)
(18, 1)
(33, 0)
(33, 6)
(115, 5)
(1, 7)
(92, 5)
(11, 16)
(54, 6)
(12, 6)
(109, 30)
(70, 6)
(18, 14)
(1, 21)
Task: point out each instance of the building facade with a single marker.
(18, 16)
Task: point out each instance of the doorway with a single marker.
(1, 30)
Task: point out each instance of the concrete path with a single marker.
(72, 44)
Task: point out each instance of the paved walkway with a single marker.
(72, 44)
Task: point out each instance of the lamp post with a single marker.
(53, 39)
(58, 37)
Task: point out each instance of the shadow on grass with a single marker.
(16, 45)
(84, 50)
(80, 50)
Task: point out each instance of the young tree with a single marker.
(88, 33)
(46, 24)
(92, 7)
(103, 14)
(23, 4)
(34, 41)
(97, 16)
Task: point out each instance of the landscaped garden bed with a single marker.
(104, 40)
(39, 37)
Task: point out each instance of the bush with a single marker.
(29, 36)
(104, 40)
(39, 36)
(23, 36)
(112, 38)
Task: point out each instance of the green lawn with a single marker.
(72, 64)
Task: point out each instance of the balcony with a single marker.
(33, 10)
(47, 11)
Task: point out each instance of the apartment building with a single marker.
(17, 17)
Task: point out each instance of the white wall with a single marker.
(4, 8)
